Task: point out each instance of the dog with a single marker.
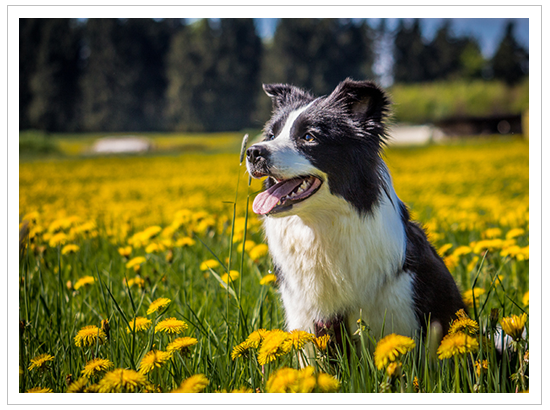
(342, 243)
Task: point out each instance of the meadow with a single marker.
(151, 274)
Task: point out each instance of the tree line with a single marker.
(109, 75)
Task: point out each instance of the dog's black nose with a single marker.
(255, 152)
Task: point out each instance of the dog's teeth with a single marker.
(300, 190)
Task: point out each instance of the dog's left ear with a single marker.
(364, 99)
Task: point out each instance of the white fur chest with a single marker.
(335, 262)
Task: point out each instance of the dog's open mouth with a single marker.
(281, 196)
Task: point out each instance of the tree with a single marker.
(54, 82)
(410, 54)
(511, 61)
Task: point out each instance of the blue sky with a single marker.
(488, 31)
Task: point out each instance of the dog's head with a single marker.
(329, 145)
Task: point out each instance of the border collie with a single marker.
(342, 244)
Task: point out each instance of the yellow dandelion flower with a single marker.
(152, 359)
(327, 383)
(288, 380)
(514, 233)
(491, 233)
(393, 368)
(273, 346)
(95, 366)
(137, 261)
(158, 304)
(481, 366)
(151, 231)
(137, 281)
(85, 280)
(470, 295)
(194, 384)
(258, 252)
(525, 252)
(298, 338)
(182, 344)
(463, 324)
(209, 264)
(321, 342)
(457, 343)
(462, 250)
(451, 262)
(185, 241)
(267, 279)
(31, 216)
(89, 336)
(154, 247)
(513, 325)
(472, 264)
(233, 275)
(525, 299)
(416, 384)
(78, 386)
(121, 380)
(92, 388)
(255, 338)
(125, 251)
(389, 348)
(40, 390)
(171, 325)
(58, 239)
(248, 245)
(70, 248)
(140, 324)
(41, 361)
(240, 350)
(442, 250)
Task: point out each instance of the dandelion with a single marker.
(185, 241)
(84, 281)
(513, 325)
(470, 295)
(525, 299)
(416, 384)
(463, 324)
(390, 348)
(152, 359)
(267, 279)
(140, 324)
(89, 336)
(96, 366)
(120, 380)
(298, 338)
(273, 346)
(327, 383)
(442, 250)
(393, 368)
(78, 386)
(481, 366)
(288, 380)
(40, 390)
(152, 248)
(125, 251)
(321, 342)
(135, 262)
(171, 325)
(462, 250)
(248, 246)
(491, 233)
(58, 239)
(158, 304)
(240, 350)
(41, 361)
(194, 384)
(514, 233)
(455, 344)
(209, 264)
(182, 344)
(71, 248)
(258, 252)
(137, 281)
(233, 275)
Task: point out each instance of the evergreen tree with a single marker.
(54, 82)
(410, 54)
(511, 61)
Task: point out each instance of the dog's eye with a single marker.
(270, 137)
(308, 138)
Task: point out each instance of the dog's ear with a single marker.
(282, 94)
(364, 99)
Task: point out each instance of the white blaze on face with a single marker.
(285, 160)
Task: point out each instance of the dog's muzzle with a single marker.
(257, 159)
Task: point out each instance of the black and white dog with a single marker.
(341, 240)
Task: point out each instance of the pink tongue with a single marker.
(266, 201)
